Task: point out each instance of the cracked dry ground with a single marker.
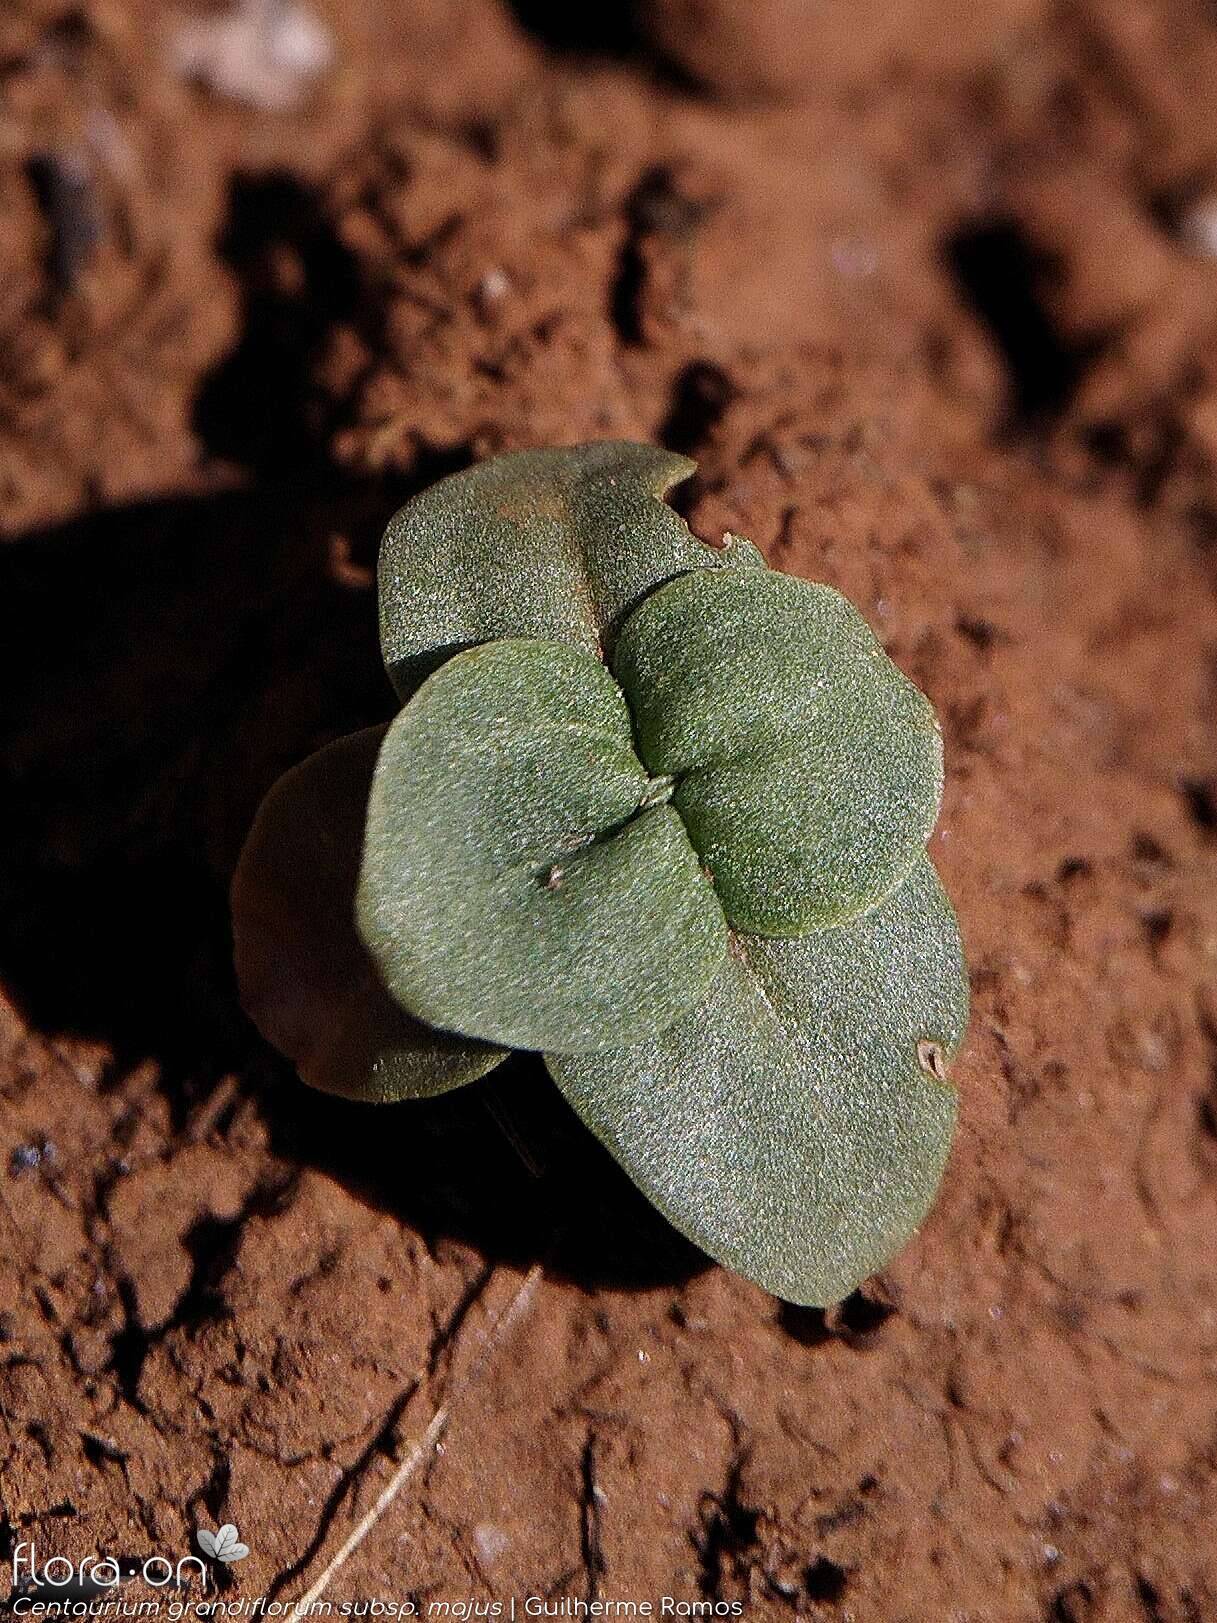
(923, 306)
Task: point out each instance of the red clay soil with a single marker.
(925, 291)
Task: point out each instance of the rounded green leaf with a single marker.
(305, 978)
(795, 1125)
(552, 544)
(520, 882)
(809, 769)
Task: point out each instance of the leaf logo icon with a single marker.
(223, 1546)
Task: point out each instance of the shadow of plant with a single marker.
(168, 661)
(164, 662)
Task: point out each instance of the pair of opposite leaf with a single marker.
(657, 811)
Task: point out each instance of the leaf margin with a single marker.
(833, 1280)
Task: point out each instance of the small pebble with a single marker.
(494, 286)
(1198, 227)
(265, 53)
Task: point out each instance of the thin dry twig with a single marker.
(423, 1445)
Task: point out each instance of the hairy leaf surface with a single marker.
(552, 544)
(809, 767)
(795, 1124)
(517, 883)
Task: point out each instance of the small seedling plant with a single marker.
(657, 812)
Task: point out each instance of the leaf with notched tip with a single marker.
(556, 544)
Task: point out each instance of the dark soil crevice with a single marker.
(601, 30)
(826, 1582)
(262, 407)
(590, 1513)
(728, 1539)
(1001, 276)
(658, 211)
(701, 393)
(211, 1244)
(597, 28)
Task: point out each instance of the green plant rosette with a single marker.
(659, 813)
